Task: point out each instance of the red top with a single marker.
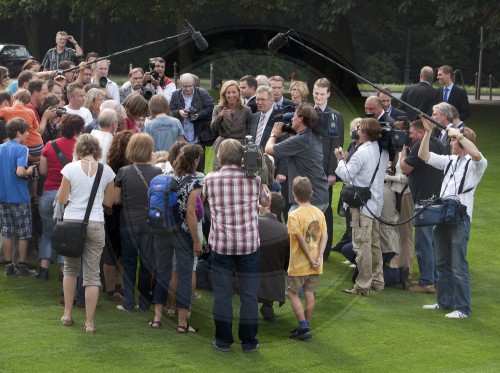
(54, 175)
(131, 125)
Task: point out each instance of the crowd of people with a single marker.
(60, 132)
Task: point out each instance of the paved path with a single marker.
(484, 98)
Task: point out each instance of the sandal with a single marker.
(66, 322)
(89, 328)
(154, 324)
(186, 329)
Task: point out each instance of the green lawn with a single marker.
(387, 331)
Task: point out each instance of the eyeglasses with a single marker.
(187, 86)
(6, 76)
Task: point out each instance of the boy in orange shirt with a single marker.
(34, 141)
(307, 229)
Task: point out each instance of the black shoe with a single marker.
(267, 312)
(404, 272)
(23, 271)
(300, 334)
(10, 269)
(43, 274)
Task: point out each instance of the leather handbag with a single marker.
(68, 237)
(355, 196)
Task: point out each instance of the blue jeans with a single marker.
(247, 268)
(46, 214)
(137, 242)
(453, 277)
(424, 249)
(165, 245)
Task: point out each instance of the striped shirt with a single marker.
(52, 59)
(234, 207)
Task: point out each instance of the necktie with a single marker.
(260, 128)
(445, 95)
(441, 136)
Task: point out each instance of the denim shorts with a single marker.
(16, 218)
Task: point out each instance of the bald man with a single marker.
(422, 95)
(373, 105)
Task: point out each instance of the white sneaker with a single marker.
(346, 262)
(431, 307)
(456, 315)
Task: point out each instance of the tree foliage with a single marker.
(440, 32)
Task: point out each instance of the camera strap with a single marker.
(60, 155)
(462, 182)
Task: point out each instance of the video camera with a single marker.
(285, 114)
(326, 125)
(252, 158)
(392, 139)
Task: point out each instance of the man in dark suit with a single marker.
(321, 93)
(277, 83)
(386, 101)
(274, 256)
(248, 86)
(421, 96)
(373, 105)
(451, 93)
(261, 123)
(192, 106)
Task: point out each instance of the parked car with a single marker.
(13, 57)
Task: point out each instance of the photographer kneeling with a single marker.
(366, 169)
(305, 154)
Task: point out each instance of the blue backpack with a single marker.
(163, 206)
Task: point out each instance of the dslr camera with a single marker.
(154, 74)
(59, 111)
(192, 113)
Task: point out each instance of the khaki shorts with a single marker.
(307, 282)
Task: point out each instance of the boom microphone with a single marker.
(199, 40)
(278, 41)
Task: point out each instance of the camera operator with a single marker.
(135, 82)
(365, 228)
(304, 153)
(234, 238)
(156, 81)
(193, 106)
(101, 72)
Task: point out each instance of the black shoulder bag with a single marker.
(356, 196)
(60, 155)
(68, 237)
